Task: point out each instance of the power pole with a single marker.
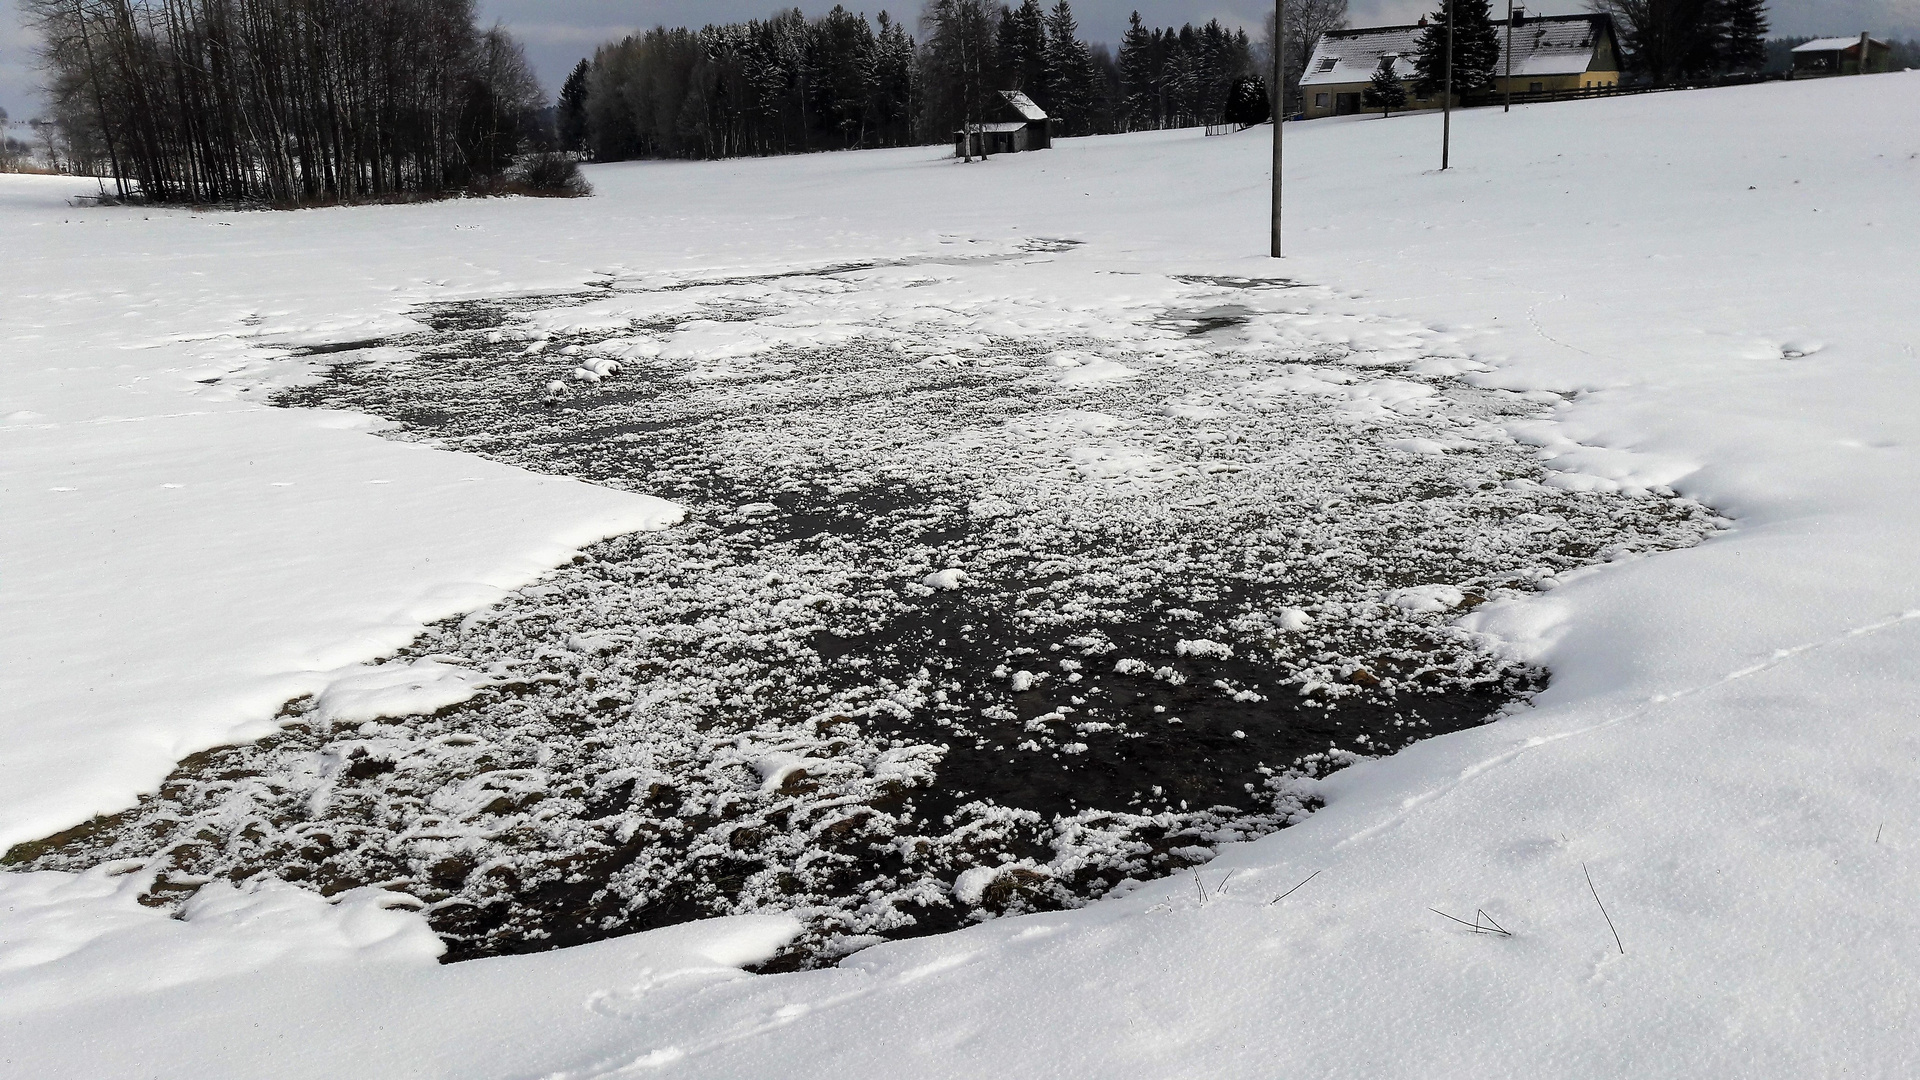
(1279, 108)
(1508, 107)
(1446, 103)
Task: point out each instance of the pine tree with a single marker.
(1069, 94)
(1385, 91)
(1137, 78)
(1022, 48)
(1745, 40)
(1476, 49)
(571, 114)
(1247, 103)
(840, 52)
(893, 87)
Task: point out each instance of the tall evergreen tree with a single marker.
(893, 87)
(1476, 49)
(841, 67)
(1021, 44)
(1069, 94)
(1745, 43)
(570, 116)
(1138, 82)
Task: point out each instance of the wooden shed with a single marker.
(1863, 55)
(1016, 124)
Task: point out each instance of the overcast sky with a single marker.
(558, 33)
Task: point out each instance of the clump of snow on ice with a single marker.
(423, 686)
(989, 508)
(972, 884)
(776, 770)
(948, 580)
(596, 369)
(1427, 598)
(1077, 369)
(1219, 650)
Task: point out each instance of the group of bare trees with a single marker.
(285, 101)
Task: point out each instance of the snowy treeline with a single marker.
(778, 85)
(791, 84)
(1184, 77)
(288, 101)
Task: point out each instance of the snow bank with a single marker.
(181, 560)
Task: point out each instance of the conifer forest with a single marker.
(790, 83)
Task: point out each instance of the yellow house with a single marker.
(1552, 54)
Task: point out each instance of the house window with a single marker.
(1319, 101)
(1329, 63)
(1535, 87)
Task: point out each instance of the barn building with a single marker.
(1016, 124)
(1551, 54)
(1864, 55)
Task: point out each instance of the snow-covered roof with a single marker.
(1352, 56)
(1832, 44)
(1543, 45)
(1024, 105)
(999, 129)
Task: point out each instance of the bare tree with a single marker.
(1306, 21)
(291, 101)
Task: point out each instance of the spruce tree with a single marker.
(1745, 40)
(1022, 47)
(1069, 70)
(1385, 90)
(893, 86)
(570, 117)
(1137, 79)
(1476, 49)
(1247, 102)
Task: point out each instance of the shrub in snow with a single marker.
(549, 175)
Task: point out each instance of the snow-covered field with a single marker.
(1706, 292)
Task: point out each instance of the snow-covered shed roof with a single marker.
(999, 129)
(1024, 105)
(1542, 45)
(1832, 44)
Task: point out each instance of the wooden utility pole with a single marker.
(1446, 102)
(1279, 109)
(1508, 107)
